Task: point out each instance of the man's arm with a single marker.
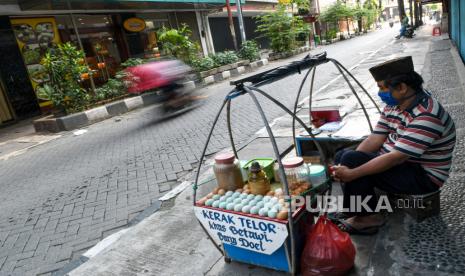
(372, 143)
(381, 163)
(376, 165)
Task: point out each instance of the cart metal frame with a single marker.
(309, 63)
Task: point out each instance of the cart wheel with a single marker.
(227, 260)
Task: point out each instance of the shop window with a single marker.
(153, 23)
(97, 36)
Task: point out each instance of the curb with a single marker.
(233, 71)
(97, 114)
(276, 56)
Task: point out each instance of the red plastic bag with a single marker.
(328, 250)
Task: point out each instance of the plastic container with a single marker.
(259, 184)
(228, 172)
(317, 174)
(265, 163)
(297, 174)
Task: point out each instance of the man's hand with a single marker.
(344, 174)
(376, 165)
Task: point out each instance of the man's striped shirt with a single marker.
(425, 132)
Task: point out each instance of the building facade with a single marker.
(456, 14)
(109, 32)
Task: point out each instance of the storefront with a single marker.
(108, 36)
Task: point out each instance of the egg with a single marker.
(254, 210)
(209, 202)
(260, 204)
(216, 197)
(230, 206)
(236, 194)
(216, 203)
(201, 201)
(222, 205)
(253, 202)
(221, 192)
(263, 212)
(258, 197)
(281, 201)
(239, 190)
(223, 198)
(268, 205)
(282, 215)
(250, 197)
(229, 200)
(246, 209)
(246, 187)
(210, 195)
(215, 191)
(278, 207)
(243, 196)
(245, 201)
(270, 193)
(238, 207)
(272, 213)
(274, 200)
(278, 192)
(246, 192)
(229, 193)
(237, 200)
(266, 198)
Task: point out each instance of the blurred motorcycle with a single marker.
(168, 78)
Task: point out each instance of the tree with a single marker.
(335, 13)
(65, 67)
(176, 42)
(282, 30)
(400, 4)
(372, 12)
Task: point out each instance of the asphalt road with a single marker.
(61, 198)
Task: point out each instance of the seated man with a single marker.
(409, 151)
(404, 24)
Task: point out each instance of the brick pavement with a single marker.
(61, 198)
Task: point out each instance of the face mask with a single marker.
(387, 98)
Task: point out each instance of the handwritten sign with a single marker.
(253, 234)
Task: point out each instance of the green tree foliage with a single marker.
(65, 65)
(282, 29)
(176, 42)
(249, 50)
(372, 11)
(336, 12)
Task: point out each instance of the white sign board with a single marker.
(262, 236)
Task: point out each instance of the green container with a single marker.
(265, 163)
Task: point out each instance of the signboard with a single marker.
(259, 235)
(134, 24)
(34, 37)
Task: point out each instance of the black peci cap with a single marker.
(392, 68)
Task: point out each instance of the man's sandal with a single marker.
(366, 231)
(337, 216)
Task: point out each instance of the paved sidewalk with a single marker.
(170, 242)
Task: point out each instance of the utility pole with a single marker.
(241, 20)
(231, 25)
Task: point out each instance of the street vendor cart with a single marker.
(274, 236)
